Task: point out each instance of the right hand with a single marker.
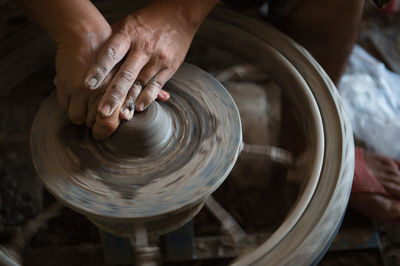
(148, 46)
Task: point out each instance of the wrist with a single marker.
(82, 33)
(188, 13)
(66, 19)
(89, 24)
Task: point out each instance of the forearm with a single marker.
(65, 18)
(196, 10)
(190, 12)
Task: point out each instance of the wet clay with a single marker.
(165, 161)
(145, 134)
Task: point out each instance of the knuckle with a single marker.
(151, 92)
(163, 56)
(148, 48)
(126, 76)
(111, 53)
(101, 69)
(116, 96)
(155, 85)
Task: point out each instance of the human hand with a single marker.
(73, 57)
(79, 31)
(152, 43)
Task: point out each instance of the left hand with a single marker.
(74, 51)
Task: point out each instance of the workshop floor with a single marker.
(70, 239)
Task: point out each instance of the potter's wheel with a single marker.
(162, 163)
(313, 220)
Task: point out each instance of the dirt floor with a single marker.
(70, 239)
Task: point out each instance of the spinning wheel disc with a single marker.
(199, 148)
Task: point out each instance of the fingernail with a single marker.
(140, 107)
(105, 109)
(164, 94)
(128, 113)
(92, 82)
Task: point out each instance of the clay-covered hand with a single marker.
(79, 31)
(73, 57)
(152, 43)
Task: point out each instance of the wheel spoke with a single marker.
(272, 153)
(229, 223)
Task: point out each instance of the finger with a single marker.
(63, 100)
(105, 126)
(375, 205)
(391, 178)
(148, 72)
(92, 110)
(393, 189)
(94, 99)
(91, 116)
(113, 52)
(391, 169)
(116, 92)
(163, 95)
(128, 108)
(77, 109)
(383, 160)
(395, 166)
(152, 89)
